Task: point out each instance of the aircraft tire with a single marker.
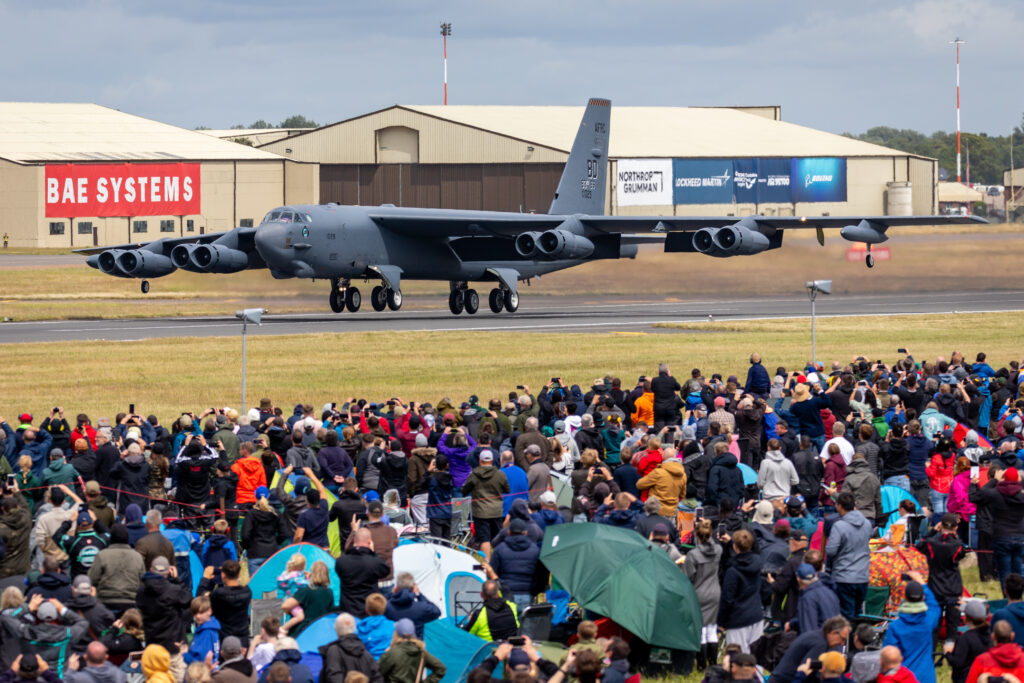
(337, 300)
(353, 299)
(455, 302)
(378, 298)
(511, 301)
(394, 299)
(145, 287)
(870, 260)
(471, 301)
(496, 300)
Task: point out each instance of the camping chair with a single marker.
(262, 608)
(684, 523)
(462, 596)
(462, 518)
(535, 621)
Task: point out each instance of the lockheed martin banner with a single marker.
(74, 190)
(656, 182)
(643, 182)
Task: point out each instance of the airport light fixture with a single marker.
(254, 316)
(814, 288)
(446, 30)
(957, 42)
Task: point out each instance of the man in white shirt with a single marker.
(845, 447)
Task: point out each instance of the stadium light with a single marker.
(254, 316)
(814, 288)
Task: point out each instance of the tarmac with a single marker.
(535, 314)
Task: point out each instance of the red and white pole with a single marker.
(446, 30)
(957, 42)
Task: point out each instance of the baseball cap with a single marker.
(405, 628)
(261, 492)
(486, 456)
(81, 585)
(548, 498)
(742, 659)
(832, 660)
(56, 453)
(559, 426)
(797, 535)
(518, 658)
(84, 518)
(231, 645)
(301, 484)
(660, 529)
(221, 419)
(976, 609)
(719, 401)
(371, 496)
(700, 407)
(47, 612)
(518, 526)
(805, 571)
(25, 417)
(763, 512)
(914, 591)
(421, 440)
(92, 488)
(160, 565)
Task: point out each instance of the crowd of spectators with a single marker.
(97, 522)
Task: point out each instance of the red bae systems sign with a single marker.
(74, 190)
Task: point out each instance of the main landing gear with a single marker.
(145, 287)
(384, 297)
(462, 298)
(869, 260)
(343, 297)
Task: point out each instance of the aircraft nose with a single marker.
(269, 241)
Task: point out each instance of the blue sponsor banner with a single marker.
(702, 181)
(818, 179)
(774, 184)
(745, 180)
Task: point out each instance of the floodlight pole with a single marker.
(246, 316)
(957, 42)
(244, 325)
(446, 30)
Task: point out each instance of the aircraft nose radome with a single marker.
(268, 241)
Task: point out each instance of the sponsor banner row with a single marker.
(659, 182)
(129, 189)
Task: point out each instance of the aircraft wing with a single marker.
(166, 243)
(483, 223)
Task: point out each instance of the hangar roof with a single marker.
(45, 131)
(662, 131)
(258, 136)
(958, 192)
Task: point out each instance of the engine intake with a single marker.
(216, 258)
(526, 244)
(107, 262)
(181, 257)
(704, 241)
(143, 263)
(738, 240)
(561, 244)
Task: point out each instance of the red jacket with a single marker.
(827, 420)
(1007, 658)
(940, 472)
(407, 438)
(901, 675)
(250, 476)
(87, 433)
(365, 428)
(835, 471)
(649, 462)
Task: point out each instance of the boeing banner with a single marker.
(657, 182)
(702, 181)
(818, 179)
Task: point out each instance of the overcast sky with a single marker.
(838, 66)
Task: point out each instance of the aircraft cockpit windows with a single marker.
(274, 216)
(286, 217)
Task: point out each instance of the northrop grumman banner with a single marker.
(643, 182)
(646, 182)
(74, 190)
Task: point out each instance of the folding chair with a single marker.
(462, 520)
(462, 595)
(535, 621)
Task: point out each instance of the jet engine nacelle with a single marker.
(704, 242)
(562, 244)
(216, 258)
(143, 263)
(526, 244)
(181, 257)
(738, 240)
(107, 262)
(865, 231)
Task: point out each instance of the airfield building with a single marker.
(79, 175)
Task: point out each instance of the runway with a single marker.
(535, 314)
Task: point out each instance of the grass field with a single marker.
(165, 376)
(925, 260)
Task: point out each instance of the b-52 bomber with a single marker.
(389, 244)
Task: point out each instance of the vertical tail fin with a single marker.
(582, 186)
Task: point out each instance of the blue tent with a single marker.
(196, 568)
(265, 578)
(892, 496)
(459, 650)
(317, 634)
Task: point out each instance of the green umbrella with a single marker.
(617, 573)
(563, 492)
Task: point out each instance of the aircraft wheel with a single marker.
(870, 260)
(455, 302)
(337, 300)
(394, 299)
(145, 287)
(378, 298)
(511, 301)
(471, 300)
(353, 299)
(496, 300)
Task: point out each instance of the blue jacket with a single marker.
(376, 633)
(808, 414)
(1013, 613)
(724, 481)
(179, 439)
(518, 485)
(919, 449)
(439, 496)
(626, 519)
(848, 548)
(545, 518)
(742, 584)
(758, 381)
(816, 605)
(206, 639)
(293, 658)
(912, 634)
(39, 450)
(10, 446)
(407, 605)
(216, 550)
(515, 563)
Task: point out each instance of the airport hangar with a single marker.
(663, 161)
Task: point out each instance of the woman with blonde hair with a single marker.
(125, 636)
(309, 602)
(28, 483)
(197, 673)
(263, 531)
(407, 658)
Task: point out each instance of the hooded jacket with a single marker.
(895, 458)
(777, 475)
(405, 604)
(440, 489)
(359, 570)
(515, 563)
(59, 471)
(376, 633)
(346, 654)
(912, 634)
(626, 519)
(50, 640)
(809, 470)
(667, 483)
(701, 567)
(206, 639)
(394, 474)
(132, 481)
(848, 547)
(230, 605)
(300, 457)
(104, 513)
(835, 473)
(251, 476)
(51, 585)
(940, 472)
(918, 449)
(865, 487)
(742, 583)
(164, 603)
(293, 658)
(943, 552)
(958, 500)
(263, 532)
(15, 527)
(104, 673)
(1004, 500)
(817, 604)
(1014, 614)
(1007, 658)
(116, 573)
(932, 423)
(93, 611)
(457, 458)
(971, 645)
(724, 481)
(402, 662)
(419, 463)
(487, 485)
